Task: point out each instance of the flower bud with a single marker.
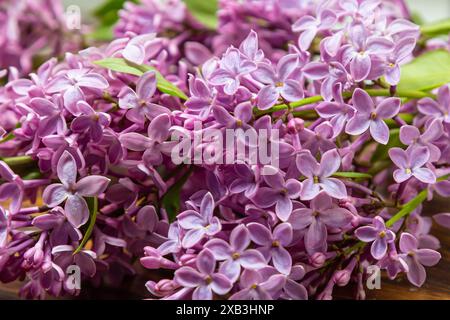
(341, 277)
(317, 259)
(295, 125)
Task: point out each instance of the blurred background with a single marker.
(435, 9)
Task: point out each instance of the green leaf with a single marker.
(107, 12)
(353, 175)
(437, 28)
(205, 11)
(171, 199)
(121, 65)
(93, 209)
(381, 153)
(426, 72)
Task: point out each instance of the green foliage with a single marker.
(205, 11)
(121, 65)
(426, 72)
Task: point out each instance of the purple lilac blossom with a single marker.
(224, 231)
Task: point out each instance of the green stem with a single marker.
(372, 92)
(408, 208)
(93, 206)
(17, 161)
(440, 27)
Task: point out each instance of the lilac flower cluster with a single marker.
(87, 177)
(28, 38)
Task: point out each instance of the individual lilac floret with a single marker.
(85, 259)
(411, 136)
(173, 243)
(368, 116)
(236, 254)
(279, 193)
(254, 286)
(90, 121)
(318, 175)
(338, 112)
(232, 67)
(199, 223)
(309, 26)
(410, 163)
(416, 258)
(278, 82)
(138, 48)
(140, 101)
(321, 214)
(51, 116)
(361, 50)
(272, 244)
(158, 132)
(76, 208)
(71, 83)
(61, 230)
(379, 234)
(439, 109)
(403, 48)
(250, 48)
(204, 280)
(12, 189)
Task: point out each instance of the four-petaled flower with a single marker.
(236, 254)
(439, 109)
(278, 82)
(76, 208)
(379, 234)
(410, 163)
(71, 83)
(273, 243)
(140, 101)
(279, 193)
(368, 116)
(321, 214)
(416, 258)
(309, 26)
(153, 145)
(199, 223)
(411, 136)
(232, 67)
(204, 280)
(318, 175)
